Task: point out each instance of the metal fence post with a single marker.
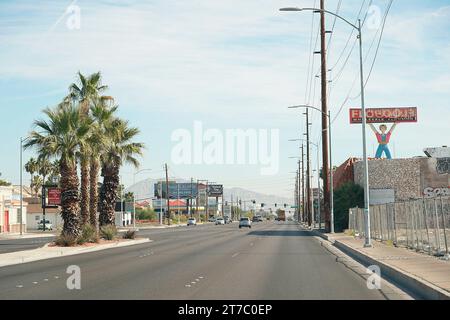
(438, 233)
(395, 224)
(424, 211)
(445, 233)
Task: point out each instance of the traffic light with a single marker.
(262, 205)
(275, 205)
(285, 205)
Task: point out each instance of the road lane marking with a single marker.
(188, 286)
(45, 279)
(35, 282)
(235, 255)
(19, 286)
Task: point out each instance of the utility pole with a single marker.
(325, 148)
(303, 185)
(299, 190)
(196, 203)
(207, 203)
(21, 187)
(308, 171)
(167, 195)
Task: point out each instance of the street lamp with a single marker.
(331, 161)
(134, 197)
(368, 240)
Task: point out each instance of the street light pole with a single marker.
(368, 240)
(21, 186)
(323, 164)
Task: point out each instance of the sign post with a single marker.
(51, 198)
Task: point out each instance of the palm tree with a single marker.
(86, 93)
(31, 167)
(119, 149)
(45, 168)
(36, 185)
(62, 136)
(102, 114)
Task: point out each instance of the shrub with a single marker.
(88, 234)
(349, 195)
(108, 232)
(66, 240)
(130, 234)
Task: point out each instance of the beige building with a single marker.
(10, 211)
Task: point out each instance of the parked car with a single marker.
(220, 220)
(212, 219)
(245, 222)
(48, 225)
(192, 222)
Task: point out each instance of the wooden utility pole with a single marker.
(308, 171)
(167, 195)
(325, 155)
(299, 201)
(303, 185)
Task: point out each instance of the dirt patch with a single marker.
(90, 244)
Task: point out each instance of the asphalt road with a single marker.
(12, 245)
(270, 261)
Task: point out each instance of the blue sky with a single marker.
(230, 64)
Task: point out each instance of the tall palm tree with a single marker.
(31, 167)
(119, 149)
(86, 93)
(62, 135)
(102, 114)
(36, 185)
(45, 168)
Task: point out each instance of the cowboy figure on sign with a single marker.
(383, 140)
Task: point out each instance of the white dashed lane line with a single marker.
(235, 255)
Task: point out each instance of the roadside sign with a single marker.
(54, 197)
(384, 115)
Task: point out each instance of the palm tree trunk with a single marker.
(70, 199)
(93, 199)
(108, 195)
(84, 190)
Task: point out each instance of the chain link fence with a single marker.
(422, 224)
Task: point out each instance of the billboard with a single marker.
(384, 115)
(176, 190)
(215, 190)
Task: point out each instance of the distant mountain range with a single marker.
(144, 190)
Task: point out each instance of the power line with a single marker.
(367, 55)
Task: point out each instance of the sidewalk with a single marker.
(26, 235)
(46, 252)
(423, 275)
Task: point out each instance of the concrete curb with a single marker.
(46, 252)
(416, 286)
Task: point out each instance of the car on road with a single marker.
(245, 222)
(192, 222)
(220, 220)
(212, 219)
(48, 225)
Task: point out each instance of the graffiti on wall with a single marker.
(436, 192)
(443, 165)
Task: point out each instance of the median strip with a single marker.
(48, 252)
